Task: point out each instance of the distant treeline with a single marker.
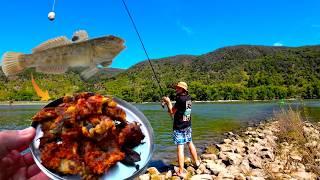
(231, 73)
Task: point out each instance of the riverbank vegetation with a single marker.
(303, 136)
(231, 73)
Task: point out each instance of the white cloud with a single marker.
(277, 44)
(185, 28)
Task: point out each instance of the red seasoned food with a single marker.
(87, 134)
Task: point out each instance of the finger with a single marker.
(14, 139)
(19, 174)
(28, 159)
(7, 161)
(39, 176)
(14, 161)
(14, 155)
(33, 170)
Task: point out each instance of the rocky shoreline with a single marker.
(256, 153)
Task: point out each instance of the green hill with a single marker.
(236, 72)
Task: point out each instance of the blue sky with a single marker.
(168, 27)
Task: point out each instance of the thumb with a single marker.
(15, 139)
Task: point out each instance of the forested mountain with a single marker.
(237, 72)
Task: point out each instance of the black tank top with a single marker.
(182, 117)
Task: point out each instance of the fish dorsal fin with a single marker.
(80, 35)
(51, 43)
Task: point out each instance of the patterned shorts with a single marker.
(182, 136)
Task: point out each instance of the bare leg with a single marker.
(193, 152)
(180, 153)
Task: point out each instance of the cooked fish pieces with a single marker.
(63, 157)
(46, 113)
(87, 134)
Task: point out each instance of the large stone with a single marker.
(191, 170)
(314, 137)
(224, 147)
(188, 161)
(270, 141)
(206, 171)
(209, 156)
(247, 140)
(220, 162)
(234, 158)
(239, 143)
(225, 175)
(144, 177)
(206, 161)
(240, 176)
(258, 173)
(267, 155)
(158, 177)
(227, 141)
(307, 130)
(202, 177)
(234, 170)
(267, 132)
(274, 167)
(240, 150)
(153, 170)
(223, 156)
(261, 135)
(261, 142)
(175, 178)
(244, 166)
(168, 174)
(239, 147)
(303, 175)
(201, 169)
(279, 175)
(295, 157)
(254, 161)
(216, 168)
(311, 144)
(198, 171)
(254, 178)
(301, 167)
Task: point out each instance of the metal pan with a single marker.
(118, 171)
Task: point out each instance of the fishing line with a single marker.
(142, 44)
(54, 3)
(52, 14)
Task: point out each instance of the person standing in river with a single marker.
(182, 131)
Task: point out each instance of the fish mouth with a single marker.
(107, 48)
(109, 40)
(113, 49)
(110, 44)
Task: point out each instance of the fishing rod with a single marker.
(143, 47)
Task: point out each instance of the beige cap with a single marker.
(183, 85)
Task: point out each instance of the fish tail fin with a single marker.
(11, 63)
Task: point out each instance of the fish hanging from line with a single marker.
(56, 55)
(43, 95)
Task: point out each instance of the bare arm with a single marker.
(171, 109)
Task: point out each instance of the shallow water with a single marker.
(209, 120)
